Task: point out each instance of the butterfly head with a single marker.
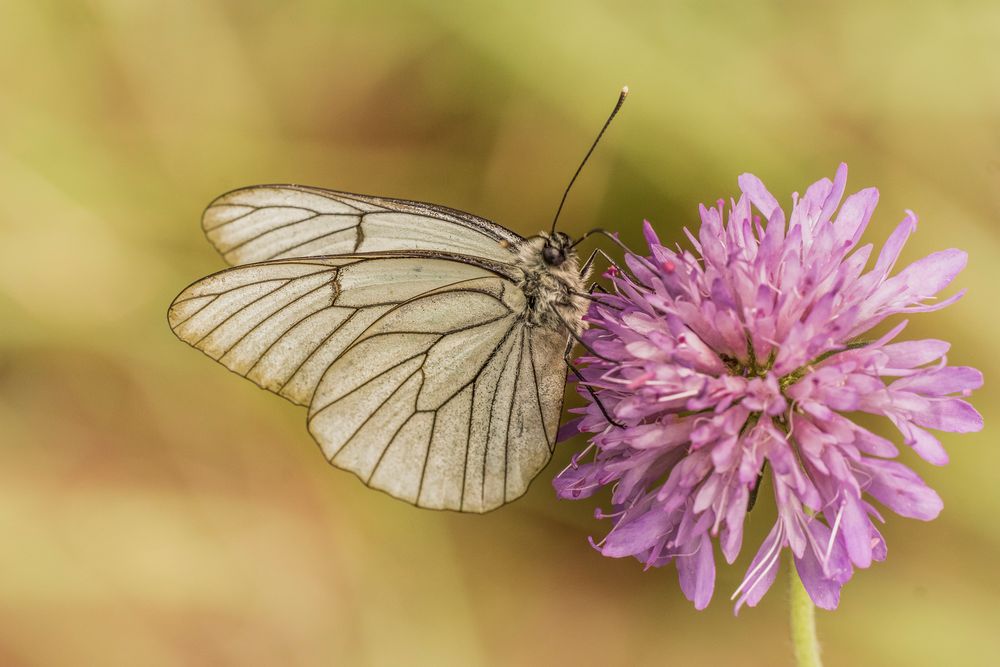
(557, 248)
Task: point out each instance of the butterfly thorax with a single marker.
(552, 282)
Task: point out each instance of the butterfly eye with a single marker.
(553, 255)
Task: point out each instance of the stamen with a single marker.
(690, 553)
(673, 397)
(613, 529)
(833, 535)
(804, 522)
(773, 553)
(575, 461)
(641, 380)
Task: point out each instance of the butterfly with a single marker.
(429, 345)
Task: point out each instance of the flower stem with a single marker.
(803, 617)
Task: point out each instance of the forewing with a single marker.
(448, 401)
(267, 222)
(282, 323)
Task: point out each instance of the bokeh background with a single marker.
(157, 510)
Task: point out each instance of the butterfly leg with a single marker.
(590, 390)
(614, 237)
(574, 339)
(585, 269)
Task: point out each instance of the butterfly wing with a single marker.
(420, 376)
(266, 222)
(282, 323)
(448, 401)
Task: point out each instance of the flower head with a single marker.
(708, 369)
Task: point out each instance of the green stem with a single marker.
(803, 617)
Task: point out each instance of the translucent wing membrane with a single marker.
(447, 401)
(420, 374)
(281, 324)
(268, 222)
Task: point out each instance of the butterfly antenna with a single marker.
(614, 112)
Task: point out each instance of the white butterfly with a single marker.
(428, 344)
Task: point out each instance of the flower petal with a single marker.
(836, 193)
(854, 527)
(633, 536)
(647, 231)
(928, 447)
(855, 213)
(913, 353)
(759, 195)
(951, 414)
(824, 591)
(696, 574)
(894, 245)
(941, 381)
(569, 429)
(928, 276)
(901, 490)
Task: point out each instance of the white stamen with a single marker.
(573, 461)
(674, 397)
(615, 527)
(833, 535)
(692, 553)
(772, 553)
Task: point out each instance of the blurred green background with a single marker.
(157, 510)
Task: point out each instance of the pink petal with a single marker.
(824, 591)
(869, 443)
(894, 245)
(759, 195)
(825, 567)
(696, 574)
(855, 214)
(913, 353)
(569, 429)
(732, 532)
(637, 535)
(854, 529)
(902, 490)
(928, 447)
(941, 381)
(953, 415)
(836, 193)
(651, 238)
(928, 276)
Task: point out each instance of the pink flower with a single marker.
(746, 357)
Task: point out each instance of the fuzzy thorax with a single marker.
(552, 282)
